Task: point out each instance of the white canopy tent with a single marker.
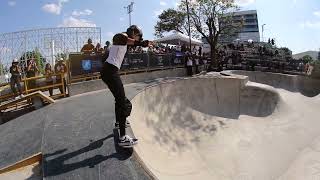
(178, 39)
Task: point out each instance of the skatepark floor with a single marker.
(207, 127)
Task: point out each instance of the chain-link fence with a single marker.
(44, 45)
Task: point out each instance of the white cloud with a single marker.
(157, 12)
(162, 3)
(110, 34)
(86, 12)
(317, 13)
(121, 19)
(54, 8)
(12, 3)
(75, 22)
(310, 24)
(244, 2)
(177, 4)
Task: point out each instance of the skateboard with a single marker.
(224, 74)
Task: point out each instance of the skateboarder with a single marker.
(110, 76)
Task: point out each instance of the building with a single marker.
(249, 29)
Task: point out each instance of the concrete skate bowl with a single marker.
(211, 128)
(302, 84)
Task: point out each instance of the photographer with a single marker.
(15, 79)
(32, 70)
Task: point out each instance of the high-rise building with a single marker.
(249, 29)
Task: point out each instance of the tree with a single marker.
(169, 20)
(37, 56)
(213, 18)
(61, 55)
(307, 58)
(319, 55)
(1, 69)
(173, 20)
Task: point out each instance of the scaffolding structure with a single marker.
(49, 43)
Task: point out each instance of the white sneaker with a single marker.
(21, 96)
(127, 142)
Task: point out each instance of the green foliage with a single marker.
(61, 55)
(307, 58)
(213, 18)
(36, 55)
(1, 69)
(169, 20)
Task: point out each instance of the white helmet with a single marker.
(15, 60)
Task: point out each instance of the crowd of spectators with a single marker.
(51, 75)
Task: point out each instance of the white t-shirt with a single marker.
(116, 55)
(197, 61)
(189, 62)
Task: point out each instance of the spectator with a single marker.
(189, 63)
(98, 49)
(15, 71)
(49, 80)
(32, 70)
(194, 50)
(183, 48)
(310, 69)
(196, 62)
(107, 46)
(200, 51)
(61, 68)
(204, 60)
(88, 48)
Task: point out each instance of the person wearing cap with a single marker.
(111, 77)
(88, 48)
(32, 70)
(49, 80)
(60, 68)
(15, 79)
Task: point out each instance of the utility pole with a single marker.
(129, 11)
(187, 3)
(263, 32)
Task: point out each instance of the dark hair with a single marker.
(47, 66)
(134, 29)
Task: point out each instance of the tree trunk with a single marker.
(213, 56)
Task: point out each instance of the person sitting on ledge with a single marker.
(88, 48)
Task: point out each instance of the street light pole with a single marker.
(263, 32)
(129, 11)
(187, 3)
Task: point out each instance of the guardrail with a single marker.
(28, 90)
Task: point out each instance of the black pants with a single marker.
(50, 83)
(110, 75)
(197, 69)
(13, 83)
(189, 70)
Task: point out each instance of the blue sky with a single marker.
(293, 23)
